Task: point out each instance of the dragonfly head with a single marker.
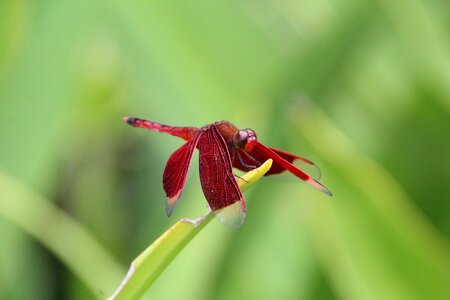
(245, 139)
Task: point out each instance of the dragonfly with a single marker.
(223, 146)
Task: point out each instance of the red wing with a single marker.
(246, 161)
(262, 152)
(175, 173)
(303, 164)
(218, 183)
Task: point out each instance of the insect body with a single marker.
(222, 146)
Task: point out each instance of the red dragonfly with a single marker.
(222, 146)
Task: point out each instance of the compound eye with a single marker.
(240, 139)
(251, 140)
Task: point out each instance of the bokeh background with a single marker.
(360, 87)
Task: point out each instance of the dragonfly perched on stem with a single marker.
(222, 146)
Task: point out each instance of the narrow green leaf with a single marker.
(60, 234)
(151, 263)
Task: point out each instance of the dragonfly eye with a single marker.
(245, 139)
(240, 139)
(251, 140)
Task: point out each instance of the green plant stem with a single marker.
(147, 267)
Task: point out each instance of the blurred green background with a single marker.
(360, 87)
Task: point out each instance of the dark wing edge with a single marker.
(217, 179)
(175, 172)
(291, 168)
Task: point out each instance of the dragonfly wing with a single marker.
(175, 173)
(247, 161)
(218, 182)
(303, 164)
(282, 164)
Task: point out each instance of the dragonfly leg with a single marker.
(197, 221)
(237, 176)
(244, 164)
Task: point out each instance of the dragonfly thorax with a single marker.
(245, 139)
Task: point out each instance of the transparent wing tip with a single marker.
(232, 216)
(309, 168)
(321, 188)
(171, 203)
